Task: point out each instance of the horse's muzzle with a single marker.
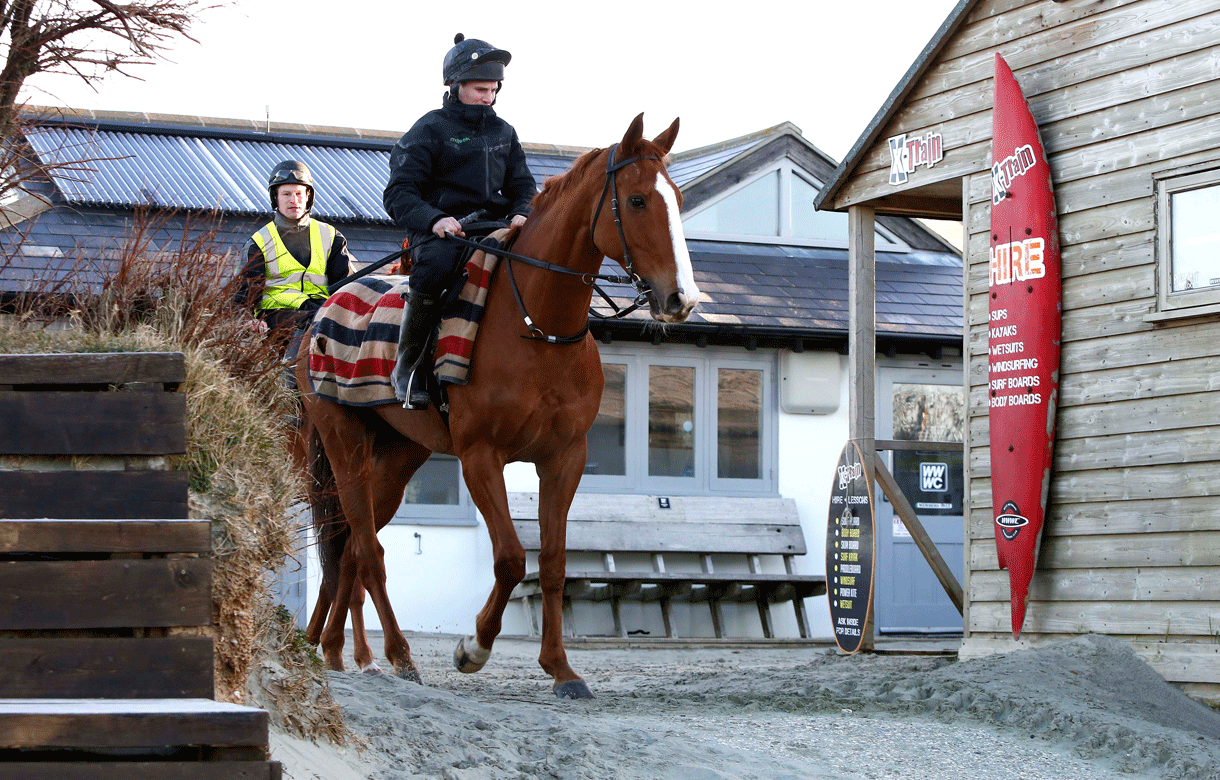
(676, 309)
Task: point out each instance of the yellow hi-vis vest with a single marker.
(290, 284)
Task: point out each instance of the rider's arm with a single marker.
(519, 185)
(253, 278)
(340, 263)
(410, 169)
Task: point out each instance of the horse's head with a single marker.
(648, 241)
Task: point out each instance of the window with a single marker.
(776, 205)
(1188, 244)
(437, 495)
(684, 421)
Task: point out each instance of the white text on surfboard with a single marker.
(1017, 261)
(1007, 366)
(1003, 172)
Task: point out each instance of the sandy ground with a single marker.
(1083, 709)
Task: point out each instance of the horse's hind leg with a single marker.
(484, 477)
(393, 462)
(362, 653)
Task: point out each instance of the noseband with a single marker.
(641, 286)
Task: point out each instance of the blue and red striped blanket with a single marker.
(354, 339)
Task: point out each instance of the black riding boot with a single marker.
(418, 320)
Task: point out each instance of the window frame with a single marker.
(1169, 304)
(638, 359)
(461, 514)
(787, 169)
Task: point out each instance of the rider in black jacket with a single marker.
(455, 161)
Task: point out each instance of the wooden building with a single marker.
(1127, 97)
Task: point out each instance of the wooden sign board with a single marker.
(850, 550)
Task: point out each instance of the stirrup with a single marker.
(417, 392)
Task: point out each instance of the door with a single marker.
(919, 403)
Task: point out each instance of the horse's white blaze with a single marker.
(686, 273)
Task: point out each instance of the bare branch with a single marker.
(89, 39)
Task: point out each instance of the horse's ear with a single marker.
(632, 138)
(666, 140)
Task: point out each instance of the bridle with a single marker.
(641, 286)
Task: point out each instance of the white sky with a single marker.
(580, 71)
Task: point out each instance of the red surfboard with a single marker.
(1022, 335)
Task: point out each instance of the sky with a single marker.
(580, 71)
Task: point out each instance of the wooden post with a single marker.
(862, 346)
(906, 512)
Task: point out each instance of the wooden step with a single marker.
(142, 770)
(46, 535)
(106, 667)
(100, 494)
(129, 724)
(106, 369)
(116, 593)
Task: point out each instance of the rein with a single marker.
(641, 287)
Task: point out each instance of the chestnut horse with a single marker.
(534, 391)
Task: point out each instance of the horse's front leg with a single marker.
(559, 478)
(484, 475)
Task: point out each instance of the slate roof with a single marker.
(751, 290)
(784, 292)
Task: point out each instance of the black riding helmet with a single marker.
(291, 172)
(473, 60)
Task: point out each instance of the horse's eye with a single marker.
(636, 202)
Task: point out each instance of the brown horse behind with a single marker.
(528, 399)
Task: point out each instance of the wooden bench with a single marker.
(727, 539)
(104, 617)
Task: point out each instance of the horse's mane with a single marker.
(556, 188)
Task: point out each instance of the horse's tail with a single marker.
(329, 522)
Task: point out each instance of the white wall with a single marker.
(439, 581)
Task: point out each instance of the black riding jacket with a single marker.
(456, 160)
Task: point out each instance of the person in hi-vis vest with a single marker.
(292, 260)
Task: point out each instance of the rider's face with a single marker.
(477, 93)
(291, 200)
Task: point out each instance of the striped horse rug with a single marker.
(354, 338)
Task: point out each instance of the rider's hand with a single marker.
(517, 221)
(448, 225)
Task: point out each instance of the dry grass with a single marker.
(242, 477)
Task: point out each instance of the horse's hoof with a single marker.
(411, 674)
(573, 689)
(472, 659)
(373, 668)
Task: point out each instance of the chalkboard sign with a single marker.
(850, 549)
